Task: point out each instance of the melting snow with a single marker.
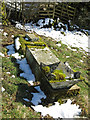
(3, 89)
(27, 100)
(1, 54)
(38, 96)
(81, 61)
(27, 71)
(13, 76)
(17, 56)
(19, 26)
(17, 43)
(11, 49)
(5, 34)
(71, 39)
(66, 110)
(8, 73)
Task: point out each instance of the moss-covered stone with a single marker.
(46, 69)
(60, 101)
(59, 75)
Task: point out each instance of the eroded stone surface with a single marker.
(44, 56)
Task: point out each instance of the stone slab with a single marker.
(44, 56)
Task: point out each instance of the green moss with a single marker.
(38, 47)
(54, 81)
(25, 43)
(59, 75)
(3, 14)
(46, 69)
(82, 78)
(74, 70)
(73, 92)
(23, 46)
(63, 33)
(60, 101)
(36, 43)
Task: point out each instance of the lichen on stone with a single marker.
(46, 69)
(59, 75)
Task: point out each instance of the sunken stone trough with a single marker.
(43, 64)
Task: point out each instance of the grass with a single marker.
(13, 105)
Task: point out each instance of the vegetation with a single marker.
(4, 14)
(59, 75)
(46, 69)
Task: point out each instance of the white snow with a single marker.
(2, 78)
(37, 96)
(40, 22)
(3, 89)
(27, 73)
(5, 34)
(17, 43)
(1, 30)
(81, 61)
(11, 49)
(12, 36)
(71, 39)
(59, 45)
(19, 26)
(67, 56)
(8, 73)
(1, 54)
(66, 110)
(46, 21)
(17, 56)
(13, 76)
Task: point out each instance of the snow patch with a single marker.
(17, 43)
(66, 110)
(74, 38)
(27, 73)
(11, 49)
(5, 34)
(27, 100)
(38, 96)
(17, 56)
(13, 76)
(8, 73)
(3, 89)
(19, 26)
(1, 54)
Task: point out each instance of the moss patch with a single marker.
(59, 75)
